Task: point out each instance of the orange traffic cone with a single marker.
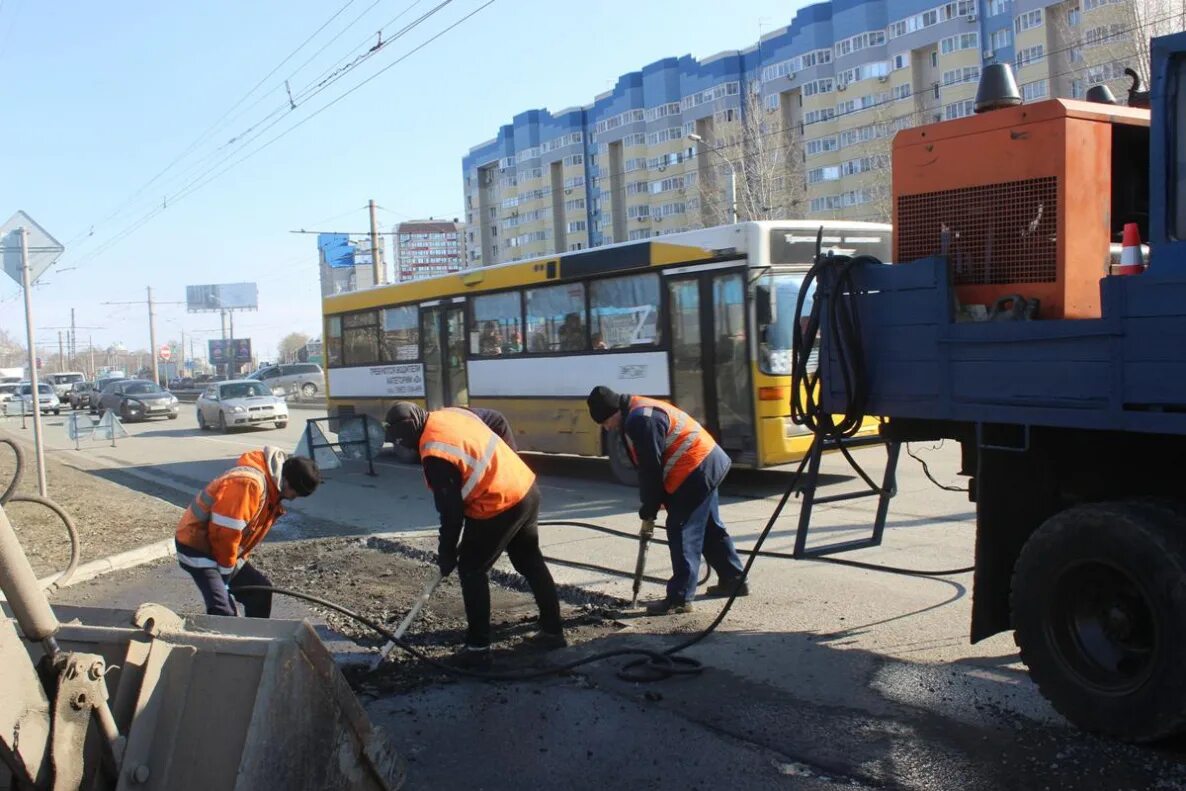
(1130, 253)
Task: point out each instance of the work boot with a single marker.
(668, 607)
(725, 588)
(472, 658)
(547, 641)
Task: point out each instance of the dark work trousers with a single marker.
(482, 542)
(256, 604)
(699, 532)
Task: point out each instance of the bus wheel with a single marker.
(1099, 608)
(619, 460)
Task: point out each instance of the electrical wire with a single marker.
(927, 472)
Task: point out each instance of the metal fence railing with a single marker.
(346, 446)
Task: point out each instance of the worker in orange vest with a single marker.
(230, 517)
(479, 483)
(681, 467)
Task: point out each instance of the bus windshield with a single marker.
(775, 337)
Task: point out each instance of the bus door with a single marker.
(710, 372)
(442, 339)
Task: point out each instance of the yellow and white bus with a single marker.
(701, 319)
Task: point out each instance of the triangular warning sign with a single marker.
(324, 455)
(109, 427)
(79, 426)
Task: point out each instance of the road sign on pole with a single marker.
(166, 353)
(27, 250)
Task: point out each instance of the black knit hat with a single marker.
(301, 474)
(405, 424)
(603, 403)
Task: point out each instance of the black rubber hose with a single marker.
(9, 496)
(18, 473)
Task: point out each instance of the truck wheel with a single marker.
(1099, 611)
(619, 460)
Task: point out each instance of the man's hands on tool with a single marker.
(647, 529)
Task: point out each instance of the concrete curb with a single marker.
(117, 562)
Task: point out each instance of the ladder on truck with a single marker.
(809, 482)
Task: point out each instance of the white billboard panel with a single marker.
(223, 296)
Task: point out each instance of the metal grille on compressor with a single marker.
(998, 233)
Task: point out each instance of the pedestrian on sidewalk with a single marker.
(680, 467)
(230, 517)
(486, 497)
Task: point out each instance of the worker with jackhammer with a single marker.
(229, 518)
(486, 496)
(681, 467)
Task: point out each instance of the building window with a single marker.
(625, 310)
(934, 59)
(401, 339)
(1000, 39)
(556, 318)
(1032, 91)
(1028, 21)
(496, 326)
(997, 7)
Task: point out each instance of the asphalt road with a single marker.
(826, 676)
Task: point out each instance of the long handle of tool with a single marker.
(425, 595)
(640, 564)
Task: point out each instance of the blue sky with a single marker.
(99, 98)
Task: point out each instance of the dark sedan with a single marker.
(79, 394)
(138, 399)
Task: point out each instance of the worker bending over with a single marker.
(478, 482)
(680, 466)
(230, 517)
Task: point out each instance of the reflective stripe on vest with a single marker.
(685, 445)
(204, 501)
(493, 477)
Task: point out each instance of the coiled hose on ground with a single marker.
(10, 496)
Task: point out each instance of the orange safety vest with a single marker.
(493, 477)
(231, 516)
(686, 445)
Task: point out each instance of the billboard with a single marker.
(225, 296)
(236, 351)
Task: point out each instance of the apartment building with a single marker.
(802, 119)
(346, 263)
(424, 248)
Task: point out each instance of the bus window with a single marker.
(556, 318)
(496, 324)
(775, 337)
(625, 310)
(401, 339)
(333, 343)
(360, 338)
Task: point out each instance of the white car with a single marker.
(8, 392)
(47, 400)
(240, 402)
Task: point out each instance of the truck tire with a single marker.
(1099, 612)
(619, 460)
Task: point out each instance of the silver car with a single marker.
(46, 398)
(240, 402)
(304, 379)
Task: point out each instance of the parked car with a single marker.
(62, 382)
(240, 402)
(80, 394)
(138, 399)
(47, 400)
(8, 392)
(307, 379)
(102, 386)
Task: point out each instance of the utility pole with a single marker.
(230, 363)
(152, 351)
(90, 341)
(73, 339)
(378, 264)
(35, 393)
(61, 354)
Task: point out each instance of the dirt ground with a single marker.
(381, 579)
(109, 518)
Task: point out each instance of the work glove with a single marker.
(648, 513)
(446, 560)
(647, 529)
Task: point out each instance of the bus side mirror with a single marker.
(764, 305)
